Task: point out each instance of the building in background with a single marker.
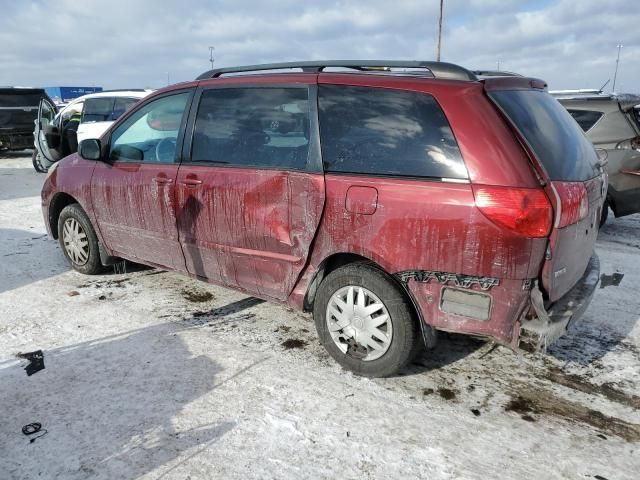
(62, 95)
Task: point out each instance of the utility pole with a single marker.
(613, 88)
(440, 30)
(211, 49)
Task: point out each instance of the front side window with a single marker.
(97, 109)
(585, 118)
(380, 131)
(151, 133)
(259, 127)
(47, 113)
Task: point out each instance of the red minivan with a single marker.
(391, 199)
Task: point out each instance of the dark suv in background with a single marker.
(18, 111)
(391, 199)
(612, 123)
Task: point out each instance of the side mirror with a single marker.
(90, 149)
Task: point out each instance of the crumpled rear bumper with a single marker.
(553, 321)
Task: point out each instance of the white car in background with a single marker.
(59, 131)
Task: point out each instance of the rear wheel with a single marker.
(36, 159)
(365, 321)
(78, 240)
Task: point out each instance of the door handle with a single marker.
(191, 182)
(162, 180)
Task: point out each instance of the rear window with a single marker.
(556, 139)
(15, 99)
(380, 131)
(585, 118)
(97, 109)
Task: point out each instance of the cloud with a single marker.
(125, 43)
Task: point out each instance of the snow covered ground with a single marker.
(153, 375)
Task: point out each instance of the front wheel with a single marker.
(365, 321)
(78, 240)
(36, 160)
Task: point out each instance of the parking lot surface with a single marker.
(148, 374)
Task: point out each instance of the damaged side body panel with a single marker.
(272, 231)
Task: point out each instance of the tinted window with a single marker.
(553, 135)
(585, 118)
(388, 132)
(121, 105)
(20, 98)
(262, 127)
(151, 133)
(97, 109)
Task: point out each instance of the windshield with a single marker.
(554, 136)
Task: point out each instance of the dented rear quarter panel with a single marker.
(431, 226)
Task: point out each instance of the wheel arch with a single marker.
(340, 259)
(57, 204)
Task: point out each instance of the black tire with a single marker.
(92, 264)
(37, 162)
(605, 213)
(405, 339)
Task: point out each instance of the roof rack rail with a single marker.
(437, 69)
(123, 90)
(495, 73)
(577, 91)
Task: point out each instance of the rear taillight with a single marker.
(525, 211)
(574, 202)
(631, 144)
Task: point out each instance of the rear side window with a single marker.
(121, 105)
(380, 131)
(556, 139)
(585, 118)
(97, 109)
(259, 127)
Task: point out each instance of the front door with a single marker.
(250, 196)
(44, 127)
(133, 194)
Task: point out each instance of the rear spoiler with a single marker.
(513, 83)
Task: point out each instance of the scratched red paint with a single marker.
(267, 232)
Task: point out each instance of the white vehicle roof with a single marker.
(112, 93)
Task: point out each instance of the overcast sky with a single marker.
(137, 43)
